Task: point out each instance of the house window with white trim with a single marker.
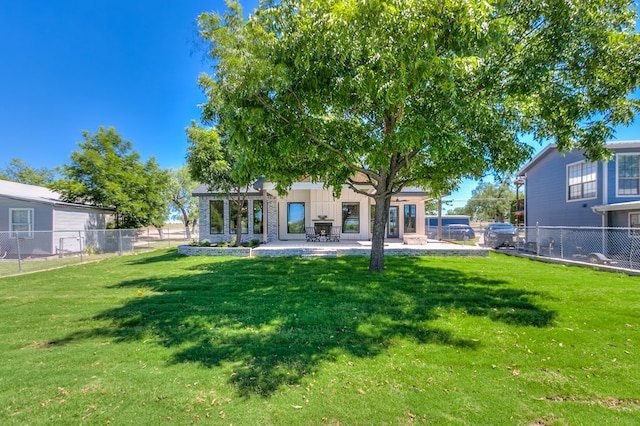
(634, 224)
(582, 180)
(628, 174)
(21, 223)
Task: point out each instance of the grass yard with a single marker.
(159, 338)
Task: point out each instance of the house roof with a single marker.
(35, 194)
(552, 147)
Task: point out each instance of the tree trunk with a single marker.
(376, 262)
(239, 205)
(185, 221)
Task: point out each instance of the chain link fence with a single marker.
(40, 250)
(619, 247)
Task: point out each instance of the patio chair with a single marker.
(334, 235)
(311, 234)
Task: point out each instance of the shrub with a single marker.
(254, 242)
(92, 250)
(205, 243)
(222, 244)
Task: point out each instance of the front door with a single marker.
(392, 227)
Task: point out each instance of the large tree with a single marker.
(107, 172)
(414, 92)
(213, 162)
(19, 171)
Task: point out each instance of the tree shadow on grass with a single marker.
(276, 320)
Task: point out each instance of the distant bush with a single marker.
(92, 250)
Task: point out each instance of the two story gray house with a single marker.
(564, 189)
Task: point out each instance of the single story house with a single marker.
(270, 216)
(564, 189)
(35, 221)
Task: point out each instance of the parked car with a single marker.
(453, 232)
(500, 235)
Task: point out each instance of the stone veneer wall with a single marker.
(270, 218)
(302, 251)
(215, 251)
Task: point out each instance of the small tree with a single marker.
(212, 161)
(183, 205)
(106, 172)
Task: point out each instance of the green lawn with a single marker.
(159, 338)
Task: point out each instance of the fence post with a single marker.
(81, 246)
(119, 242)
(537, 239)
(561, 243)
(19, 257)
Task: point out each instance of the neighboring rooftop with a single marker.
(33, 193)
(552, 146)
(21, 191)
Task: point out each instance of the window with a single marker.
(216, 217)
(295, 218)
(350, 218)
(409, 218)
(628, 174)
(582, 180)
(233, 216)
(21, 223)
(257, 217)
(634, 224)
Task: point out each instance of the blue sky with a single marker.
(74, 65)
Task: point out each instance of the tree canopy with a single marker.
(412, 92)
(21, 172)
(107, 172)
